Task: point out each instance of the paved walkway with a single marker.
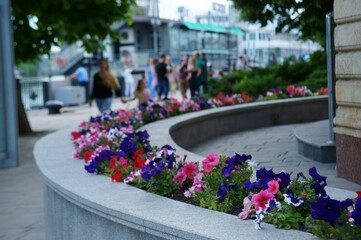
(273, 147)
(21, 189)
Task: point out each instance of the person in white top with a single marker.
(129, 82)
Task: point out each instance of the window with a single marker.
(219, 8)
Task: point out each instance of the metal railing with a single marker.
(32, 93)
(61, 62)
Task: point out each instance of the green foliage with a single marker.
(312, 74)
(258, 84)
(28, 69)
(341, 230)
(306, 16)
(290, 216)
(287, 218)
(162, 184)
(208, 197)
(316, 79)
(58, 21)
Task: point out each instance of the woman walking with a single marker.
(104, 83)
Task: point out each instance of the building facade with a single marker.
(264, 47)
(347, 15)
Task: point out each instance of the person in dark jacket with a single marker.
(104, 84)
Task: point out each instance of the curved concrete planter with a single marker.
(83, 206)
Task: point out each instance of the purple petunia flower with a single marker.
(143, 136)
(285, 180)
(233, 162)
(226, 171)
(272, 205)
(320, 183)
(168, 147)
(128, 145)
(326, 209)
(102, 156)
(313, 173)
(265, 174)
(222, 192)
(346, 203)
(153, 169)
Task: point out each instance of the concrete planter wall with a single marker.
(83, 206)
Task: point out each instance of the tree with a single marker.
(308, 16)
(37, 25)
(40, 24)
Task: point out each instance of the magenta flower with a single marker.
(180, 177)
(190, 170)
(261, 199)
(273, 187)
(212, 160)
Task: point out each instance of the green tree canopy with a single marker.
(308, 16)
(39, 24)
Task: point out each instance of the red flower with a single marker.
(219, 96)
(358, 193)
(175, 105)
(87, 156)
(113, 163)
(139, 162)
(124, 162)
(190, 170)
(261, 199)
(117, 176)
(75, 135)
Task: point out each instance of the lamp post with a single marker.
(155, 21)
(8, 104)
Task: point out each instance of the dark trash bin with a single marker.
(54, 106)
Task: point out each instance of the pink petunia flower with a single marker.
(198, 178)
(247, 204)
(212, 160)
(261, 199)
(180, 177)
(273, 187)
(291, 90)
(190, 170)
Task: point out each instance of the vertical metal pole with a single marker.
(330, 73)
(155, 38)
(8, 106)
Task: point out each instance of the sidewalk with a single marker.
(21, 188)
(273, 147)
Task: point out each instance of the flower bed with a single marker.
(110, 145)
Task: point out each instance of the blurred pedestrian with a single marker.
(162, 74)
(129, 81)
(82, 79)
(193, 74)
(182, 75)
(171, 75)
(155, 78)
(203, 77)
(149, 75)
(104, 84)
(242, 63)
(142, 93)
